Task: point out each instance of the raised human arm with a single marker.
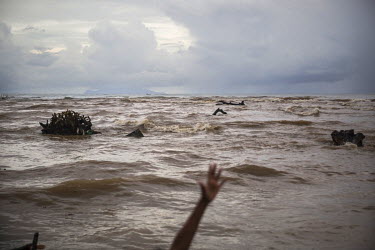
(209, 190)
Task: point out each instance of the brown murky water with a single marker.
(288, 188)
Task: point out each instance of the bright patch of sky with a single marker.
(170, 36)
(52, 35)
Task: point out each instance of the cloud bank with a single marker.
(208, 47)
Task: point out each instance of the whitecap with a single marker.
(303, 111)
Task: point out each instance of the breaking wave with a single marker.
(150, 125)
(126, 122)
(177, 128)
(303, 111)
(350, 145)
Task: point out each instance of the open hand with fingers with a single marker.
(212, 187)
(209, 190)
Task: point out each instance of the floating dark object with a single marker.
(340, 138)
(136, 133)
(230, 103)
(68, 123)
(35, 241)
(219, 110)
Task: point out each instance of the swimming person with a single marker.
(209, 190)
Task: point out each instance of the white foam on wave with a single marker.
(177, 128)
(303, 111)
(125, 122)
(174, 128)
(350, 145)
(145, 121)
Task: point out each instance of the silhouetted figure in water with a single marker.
(209, 190)
(219, 110)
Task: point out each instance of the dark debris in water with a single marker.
(136, 133)
(344, 136)
(68, 122)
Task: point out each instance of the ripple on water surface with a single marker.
(256, 170)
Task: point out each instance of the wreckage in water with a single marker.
(68, 123)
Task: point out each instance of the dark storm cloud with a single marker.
(9, 59)
(286, 43)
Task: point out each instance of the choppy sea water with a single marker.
(288, 187)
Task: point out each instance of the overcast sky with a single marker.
(182, 47)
